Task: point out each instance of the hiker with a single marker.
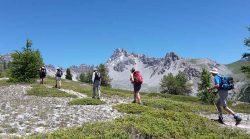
(96, 80)
(223, 95)
(137, 80)
(58, 77)
(42, 73)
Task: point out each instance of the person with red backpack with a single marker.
(137, 80)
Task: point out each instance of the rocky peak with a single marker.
(119, 52)
(172, 56)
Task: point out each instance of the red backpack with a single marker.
(137, 77)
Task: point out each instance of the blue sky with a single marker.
(71, 32)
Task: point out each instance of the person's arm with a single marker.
(131, 78)
(214, 87)
(217, 84)
(93, 77)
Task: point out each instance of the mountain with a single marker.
(4, 60)
(153, 69)
(235, 67)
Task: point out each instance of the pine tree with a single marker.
(176, 85)
(68, 74)
(203, 93)
(89, 77)
(25, 64)
(246, 69)
(106, 80)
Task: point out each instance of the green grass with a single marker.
(86, 101)
(87, 88)
(42, 91)
(5, 83)
(72, 85)
(242, 108)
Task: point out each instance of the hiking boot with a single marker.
(237, 120)
(220, 120)
(134, 101)
(98, 98)
(93, 97)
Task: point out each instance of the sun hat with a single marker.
(214, 71)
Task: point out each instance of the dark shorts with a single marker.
(42, 75)
(222, 101)
(137, 87)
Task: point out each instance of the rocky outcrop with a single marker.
(22, 115)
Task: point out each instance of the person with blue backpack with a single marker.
(223, 84)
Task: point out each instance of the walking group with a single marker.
(221, 83)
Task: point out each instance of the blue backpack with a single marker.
(227, 83)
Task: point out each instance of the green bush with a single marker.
(176, 85)
(86, 101)
(132, 108)
(86, 77)
(25, 64)
(151, 124)
(68, 74)
(203, 93)
(106, 80)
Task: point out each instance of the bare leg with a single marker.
(138, 97)
(99, 91)
(94, 91)
(229, 110)
(134, 96)
(60, 84)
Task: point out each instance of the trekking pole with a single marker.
(214, 103)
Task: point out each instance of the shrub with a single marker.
(25, 64)
(68, 74)
(203, 93)
(176, 85)
(86, 101)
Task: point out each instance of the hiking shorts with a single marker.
(137, 87)
(97, 84)
(222, 101)
(58, 78)
(42, 75)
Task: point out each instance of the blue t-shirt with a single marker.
(217, 80)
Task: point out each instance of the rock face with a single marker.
(153, 69)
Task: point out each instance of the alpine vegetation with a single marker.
(25, 64)
(176, 85)
(68, 74)
(204, 94)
